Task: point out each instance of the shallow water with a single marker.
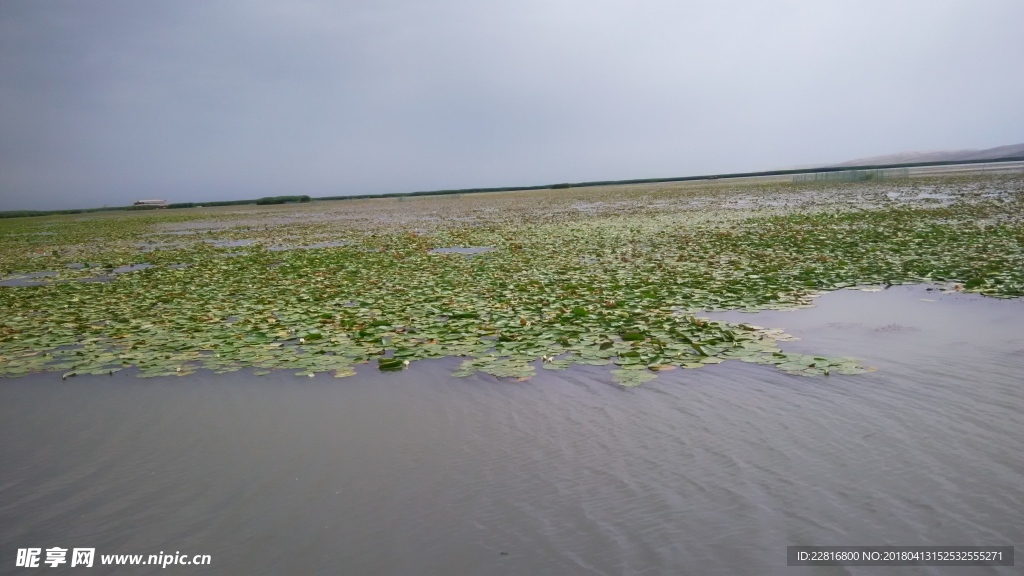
(151, 247)
(131, 268)
(229, 243)
(330, 244)
(46, 277)
(710, 471)
(462, 250)
(29, 279)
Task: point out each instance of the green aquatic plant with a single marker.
(615, 277)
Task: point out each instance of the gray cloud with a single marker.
(105, 102)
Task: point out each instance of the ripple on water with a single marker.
(709, 471)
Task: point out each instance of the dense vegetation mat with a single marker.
(602, 277)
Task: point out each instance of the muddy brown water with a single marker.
(710, 471)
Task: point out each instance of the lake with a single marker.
(708, 471)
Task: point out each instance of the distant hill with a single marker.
(1013, 150)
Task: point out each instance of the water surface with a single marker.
(710, 471)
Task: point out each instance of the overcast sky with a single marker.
(105, 102)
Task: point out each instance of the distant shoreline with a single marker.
(787, 172)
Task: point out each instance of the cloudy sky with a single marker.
(108, 101)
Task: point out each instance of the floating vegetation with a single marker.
(549, 285)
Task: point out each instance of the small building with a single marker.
(153, 203)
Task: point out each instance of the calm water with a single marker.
(711, 471)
